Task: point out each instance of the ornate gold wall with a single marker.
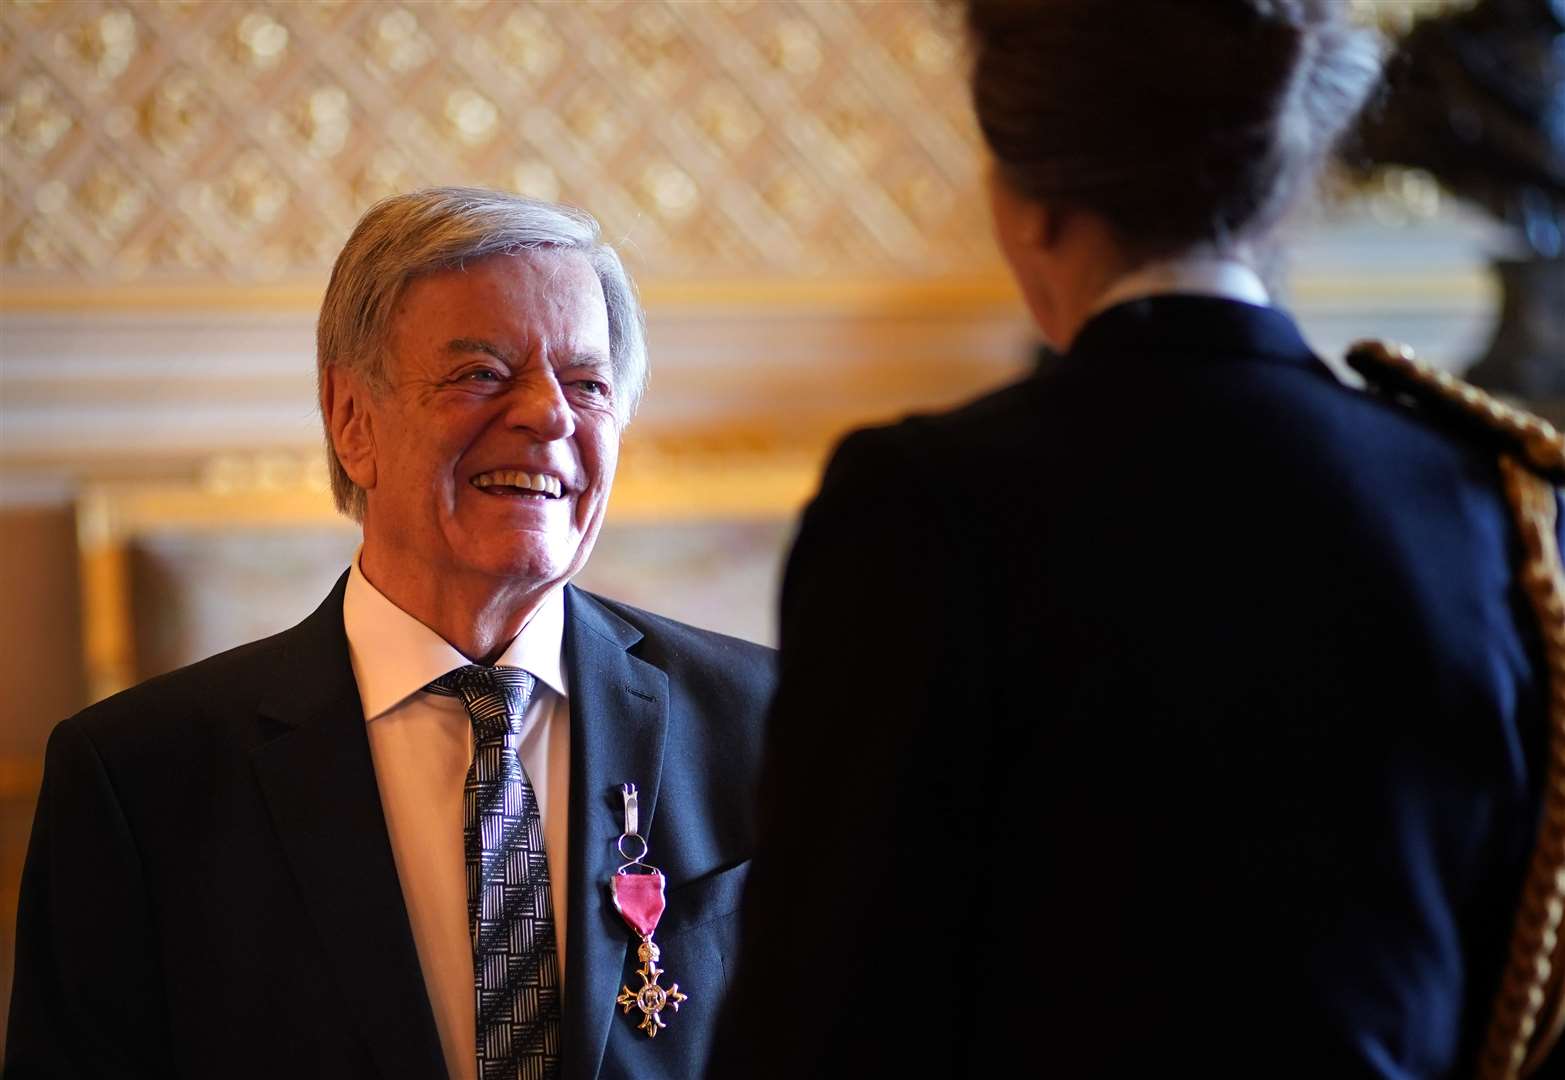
(185, 143)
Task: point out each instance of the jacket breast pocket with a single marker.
(706, 900)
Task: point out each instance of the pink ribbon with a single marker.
(639, 900)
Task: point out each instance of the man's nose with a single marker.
(537, 405)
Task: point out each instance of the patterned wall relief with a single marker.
(180, 141)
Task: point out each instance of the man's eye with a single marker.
(483, 375)
(593, 386)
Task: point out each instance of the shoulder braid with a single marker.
(1529, 1010)
(1392, 370)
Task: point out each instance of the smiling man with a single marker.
(382, 843)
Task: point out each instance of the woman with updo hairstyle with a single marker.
(1138, 153)
(1177, 709)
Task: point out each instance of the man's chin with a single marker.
(528, 570)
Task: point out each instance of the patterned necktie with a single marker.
(510, 910)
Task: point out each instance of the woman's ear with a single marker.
(1036, 226)
(345, 400)
(1020, 223)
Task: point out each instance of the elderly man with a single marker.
(382, 843)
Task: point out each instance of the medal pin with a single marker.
(637, 888)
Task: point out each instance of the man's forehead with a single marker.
(546, 264)
(500, 304)
(526, 282)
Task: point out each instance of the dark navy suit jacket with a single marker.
(1173, 711)
(210, 890)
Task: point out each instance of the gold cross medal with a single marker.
(637, 889)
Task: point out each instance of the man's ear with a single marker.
(345, 398)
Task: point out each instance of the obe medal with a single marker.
(637, 888)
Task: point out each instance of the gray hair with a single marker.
(405, 236)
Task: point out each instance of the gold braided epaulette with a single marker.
(1391, 369)
(1528, 1012)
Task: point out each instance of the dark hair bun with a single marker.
(1180, 121)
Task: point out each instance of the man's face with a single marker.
(494, 448)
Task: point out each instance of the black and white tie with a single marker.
(510, 910)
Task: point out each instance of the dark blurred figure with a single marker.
(1477, 98)
(1178, 709)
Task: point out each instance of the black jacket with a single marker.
(1177, 709)
(210, 890)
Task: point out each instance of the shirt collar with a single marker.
(1198, 273)
(394, 655)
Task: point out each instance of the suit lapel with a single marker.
(619, 716)
(319, 783)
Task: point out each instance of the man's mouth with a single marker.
(516, 482)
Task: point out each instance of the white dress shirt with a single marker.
(422, 746)
(1197, 272)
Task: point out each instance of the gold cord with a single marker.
(1529, 1010)
(1392, 369)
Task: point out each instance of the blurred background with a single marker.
(795, 185)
